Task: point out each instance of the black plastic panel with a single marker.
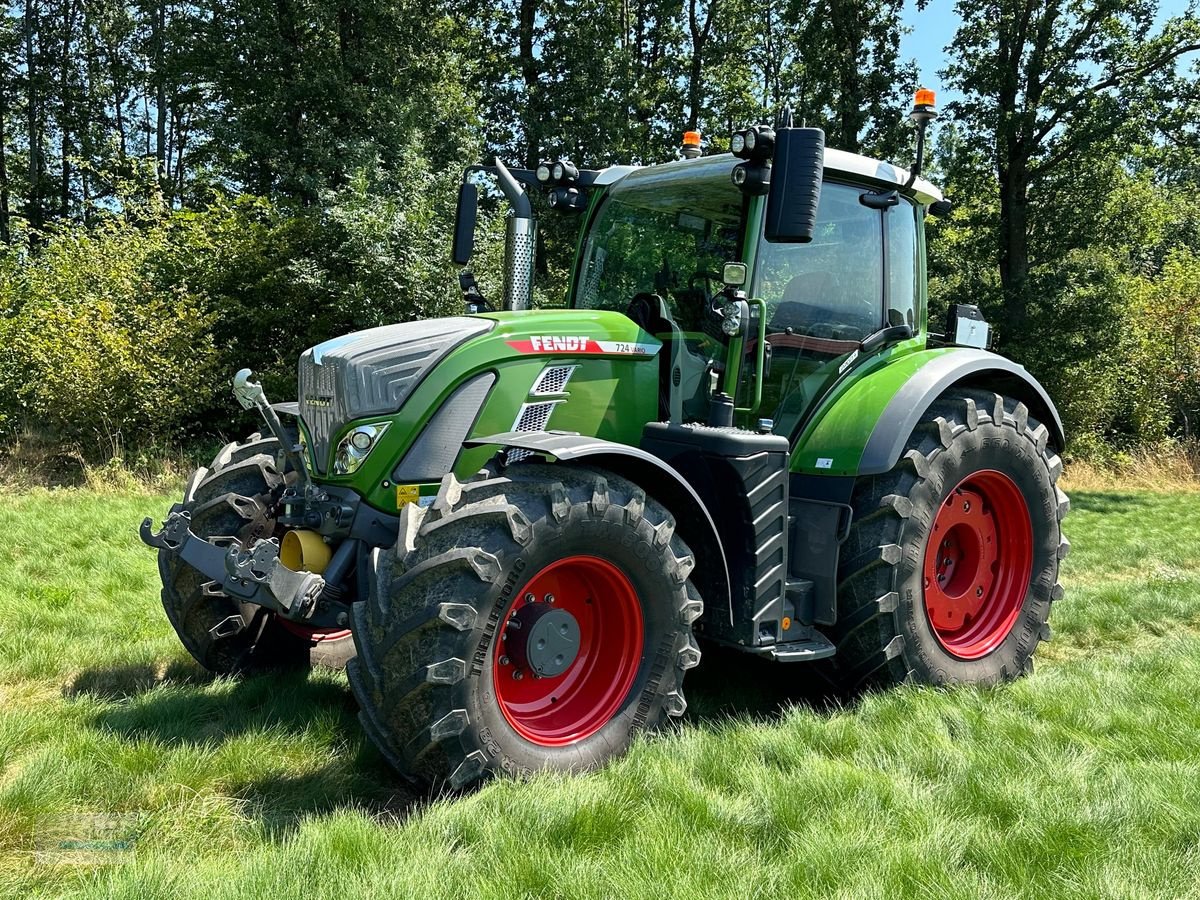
(742, 478)
(434, 452)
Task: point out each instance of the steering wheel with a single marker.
(709, 279)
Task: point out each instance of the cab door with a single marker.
(858, 275)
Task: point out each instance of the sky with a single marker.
(932, 29)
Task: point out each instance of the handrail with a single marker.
(760, 356)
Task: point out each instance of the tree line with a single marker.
(284, 169)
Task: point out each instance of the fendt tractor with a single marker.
(517, 527)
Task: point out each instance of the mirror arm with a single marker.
(888, 335)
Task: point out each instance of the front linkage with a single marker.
(254, 576)
(251, 571)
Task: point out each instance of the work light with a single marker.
(564, 171)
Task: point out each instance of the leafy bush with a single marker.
(128, 333)
(91, 350)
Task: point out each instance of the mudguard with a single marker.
(864, 429)
(658, 479)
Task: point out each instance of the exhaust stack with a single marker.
(520, 241)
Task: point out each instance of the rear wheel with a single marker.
(531, 621)
(951, 565)
(231, 503)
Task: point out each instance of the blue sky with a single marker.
(933, 28)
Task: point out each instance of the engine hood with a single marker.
(372, 372)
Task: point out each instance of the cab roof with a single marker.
(837, 162)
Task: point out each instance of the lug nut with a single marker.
(504, 661)
(549, 598)
(517, 675)
(529, 598)
(979, 592)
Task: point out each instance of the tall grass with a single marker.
(1082, 780)
(1170, 468)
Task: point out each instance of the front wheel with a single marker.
(532, 621)
(952, 561)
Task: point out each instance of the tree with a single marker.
(1044, 87)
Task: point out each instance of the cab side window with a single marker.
(832, 287)
(902, 264)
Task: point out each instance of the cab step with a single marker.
(812, 646)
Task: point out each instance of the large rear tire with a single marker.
(532, 621)
(952, 561)
(226, 507)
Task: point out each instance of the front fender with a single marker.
(659, 480)
(863, 429)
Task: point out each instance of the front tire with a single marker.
(226, 503)
(952, 561)
(533, 621)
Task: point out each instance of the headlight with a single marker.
(304, 454)
(737, 143)
(732, 323)
(355, 446)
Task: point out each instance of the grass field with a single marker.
(1080, 781)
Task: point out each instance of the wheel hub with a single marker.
(542, 639)
(978, 561)
(569, 651)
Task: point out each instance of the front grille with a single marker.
(371, 373)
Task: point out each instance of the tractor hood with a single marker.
(371, 373)
(404, 374)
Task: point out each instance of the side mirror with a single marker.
(464, 223)
(795, 188)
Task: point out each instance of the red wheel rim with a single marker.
(313, 634)
(977, 564)
(568, 707)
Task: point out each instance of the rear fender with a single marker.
(659, 480)
(864, 429)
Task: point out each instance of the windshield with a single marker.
(665, 230)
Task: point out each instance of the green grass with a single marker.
(1080, 781)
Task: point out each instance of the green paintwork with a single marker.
(843, 423)
(609, 396)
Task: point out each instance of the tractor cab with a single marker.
(671, 246)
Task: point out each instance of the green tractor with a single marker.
(516, 528)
